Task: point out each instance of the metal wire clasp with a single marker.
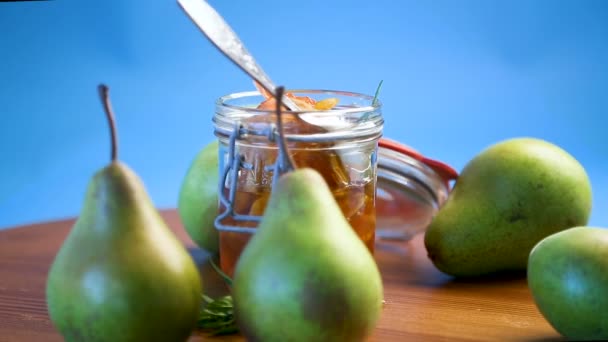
(230, 174)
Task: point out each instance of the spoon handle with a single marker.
(223, 37)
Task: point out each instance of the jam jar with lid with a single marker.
(386, 190)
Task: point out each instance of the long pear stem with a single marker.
(288, 162)
(107, 106)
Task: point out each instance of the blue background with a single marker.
(458, 76)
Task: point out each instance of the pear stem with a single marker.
(288, 164)
(107, 106)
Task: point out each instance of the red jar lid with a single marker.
(410, 190)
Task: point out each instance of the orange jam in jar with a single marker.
(335, 133)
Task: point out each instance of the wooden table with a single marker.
(422, 304)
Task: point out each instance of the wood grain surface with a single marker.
(422, 304)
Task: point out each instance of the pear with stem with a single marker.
(121, 274)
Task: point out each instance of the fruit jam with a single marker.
(347, 165)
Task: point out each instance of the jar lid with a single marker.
(410, 190)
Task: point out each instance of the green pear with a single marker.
(507, 199)
(305, 275)
(198, 199)
(568, 280)
(121, 274)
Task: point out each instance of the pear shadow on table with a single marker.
(500, 278)
(488, 281)
(405, 262)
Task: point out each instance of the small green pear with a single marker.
(305, 275)
(507, 199)
(121, 274)
(569, 283)
(198, 199)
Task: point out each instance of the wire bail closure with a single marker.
(236, 162)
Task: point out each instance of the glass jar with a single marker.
(341, 144)
(411, 188)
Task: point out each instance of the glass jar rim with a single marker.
(357, 118)
(222, 101)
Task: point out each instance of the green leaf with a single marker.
(217, 316)
(375, 100)
(226, 278)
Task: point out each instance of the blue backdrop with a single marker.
(458, 76)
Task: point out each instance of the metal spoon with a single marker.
(223, 37)
(217, 30)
